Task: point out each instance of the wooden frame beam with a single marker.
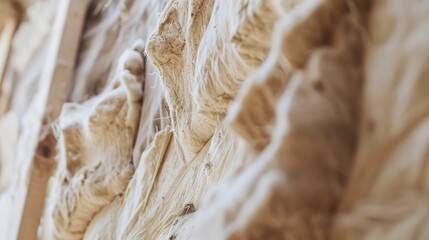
(51, 94)
(9, 19)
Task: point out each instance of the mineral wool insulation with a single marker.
(246, 119)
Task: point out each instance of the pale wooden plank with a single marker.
(9, 18)
(52, 93)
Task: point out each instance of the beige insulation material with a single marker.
(294, 187)
(36, 27)
(165, 190)
(204, 50)
(386, 197)
(297, 35)
(95, 146)
(26, 63)
(244, 119)
(160, 196)
(149, 208)
(112, 26)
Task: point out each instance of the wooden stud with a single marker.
(51, 94)
(9, 18)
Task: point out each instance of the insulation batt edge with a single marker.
(295, 185)
(386, 196)
(183, 163)
(90, 172)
